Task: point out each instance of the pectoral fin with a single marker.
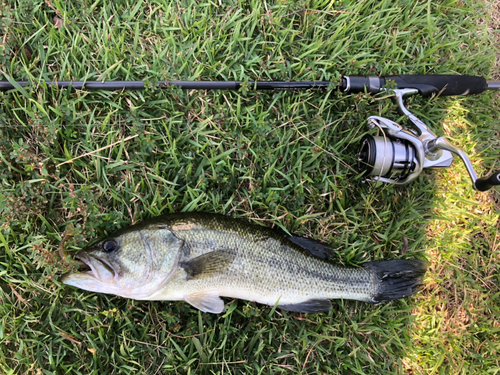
(206, 302)
(208, 265)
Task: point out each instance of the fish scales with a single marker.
(200, 257)
(267, 266)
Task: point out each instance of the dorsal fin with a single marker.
(318, 249)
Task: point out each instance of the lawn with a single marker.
(101, 160)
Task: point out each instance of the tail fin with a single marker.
(398, 278)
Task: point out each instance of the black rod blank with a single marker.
(188, 85)
(427, 85)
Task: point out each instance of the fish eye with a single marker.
(109, 246)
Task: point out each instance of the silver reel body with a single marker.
(400, 155)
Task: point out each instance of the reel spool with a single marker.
(386, 157)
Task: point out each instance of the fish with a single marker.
(200, 257)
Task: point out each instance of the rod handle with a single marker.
(427, 85)
(486, 183)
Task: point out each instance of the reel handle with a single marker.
(480, 184)
(486, 183)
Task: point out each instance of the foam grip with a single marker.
(427, 85)
(443, 85)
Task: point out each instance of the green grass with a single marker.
(282, 159)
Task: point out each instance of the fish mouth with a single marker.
(91, 270)
(99, 268)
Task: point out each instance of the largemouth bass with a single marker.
(200, 257)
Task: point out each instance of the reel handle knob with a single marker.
(486, 183)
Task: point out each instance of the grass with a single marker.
(282, 159)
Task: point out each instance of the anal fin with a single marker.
(309, 306)
(206, 302)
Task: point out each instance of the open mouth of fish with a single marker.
(96, 268)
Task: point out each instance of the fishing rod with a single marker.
(427, 85)
(397, 157)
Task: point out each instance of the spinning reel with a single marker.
(400, 155)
